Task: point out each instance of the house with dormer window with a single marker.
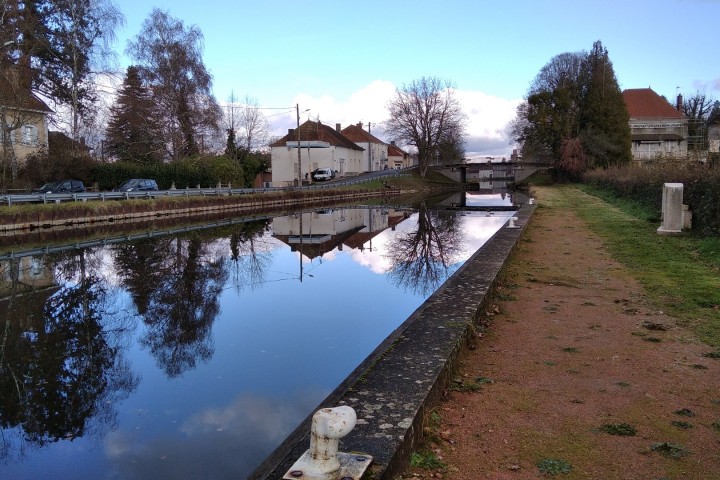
(657, 128)
(23, 119)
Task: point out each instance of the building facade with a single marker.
(23, 118)
(319, 146)
(397, 157)
(375, 151)
(657, 128)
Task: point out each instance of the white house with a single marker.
(320, 146)
(657, 128)
(375, 154)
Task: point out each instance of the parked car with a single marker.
(62, 186)
(137, 185)
(321, 174)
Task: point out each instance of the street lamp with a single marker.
(297, 110)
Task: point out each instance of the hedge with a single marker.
(644, 184)
(205, 172)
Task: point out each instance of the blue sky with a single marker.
(343, 60)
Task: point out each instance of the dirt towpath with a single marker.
(577, 376)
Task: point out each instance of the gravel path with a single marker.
(573, 357)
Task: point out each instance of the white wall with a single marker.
(284, 161)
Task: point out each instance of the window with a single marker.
(29, 135)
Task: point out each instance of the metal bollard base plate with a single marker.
(352, 467)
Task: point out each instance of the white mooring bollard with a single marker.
(323, 461)
(672, 208)
(511, 222)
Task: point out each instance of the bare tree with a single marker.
(425, 114)
(698, 108)
(246, 126)
(253, 129)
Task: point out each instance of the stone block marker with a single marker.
(672, 208)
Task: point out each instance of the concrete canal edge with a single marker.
(405, 377)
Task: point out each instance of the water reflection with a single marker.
(205, 348)
(175, 284)
(421, 257)
(62, 366)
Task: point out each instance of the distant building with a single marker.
(714, 138)
(375, 154)
(397, 157)
(320, 147)
(657, 128)
(60, 145)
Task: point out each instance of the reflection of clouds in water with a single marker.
(376, 260)
(478, 229)
(495, 199)
(220, 443)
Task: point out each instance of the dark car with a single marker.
(62, 186)
(137, 185)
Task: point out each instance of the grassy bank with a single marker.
(36, 215)
(680, 273)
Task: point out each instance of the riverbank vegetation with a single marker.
(679, 272)
(643, 185)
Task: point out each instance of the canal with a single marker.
(194, 354)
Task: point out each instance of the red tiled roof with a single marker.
(317, 131)
(358, 135)
(645, 103)
(395, 151)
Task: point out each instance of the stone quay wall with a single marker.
(404, 378)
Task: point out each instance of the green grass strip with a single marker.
(679, 272)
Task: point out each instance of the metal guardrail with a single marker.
(188, 192)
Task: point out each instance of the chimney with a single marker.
(679, 104)
(291, 132)
(359, 124)
(392, 142)
(337, 127)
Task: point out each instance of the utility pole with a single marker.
(297, 133)
(369, 149)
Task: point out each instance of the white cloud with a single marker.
(487, 115)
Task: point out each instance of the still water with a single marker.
(193, 356)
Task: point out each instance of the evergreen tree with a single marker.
(604, 120)
(133, 133)
(169, 56)
(61, 45)
(575, 112)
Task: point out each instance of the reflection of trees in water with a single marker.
(421, 258)
(62, 369)
(175, 284)
(249, 264)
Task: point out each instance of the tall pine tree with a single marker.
(604, 120)
(133, 133)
